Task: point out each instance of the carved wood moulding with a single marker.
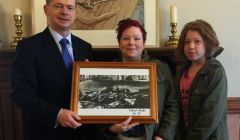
(233, 105)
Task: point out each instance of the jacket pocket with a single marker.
(195, 102)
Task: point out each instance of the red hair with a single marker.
(127, 23)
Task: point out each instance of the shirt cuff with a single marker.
(56, 123)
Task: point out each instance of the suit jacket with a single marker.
(42, 86)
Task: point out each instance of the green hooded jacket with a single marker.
(207, 103)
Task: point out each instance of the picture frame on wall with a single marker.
(106, 37)
(110, 92)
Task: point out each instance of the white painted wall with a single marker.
(224, 15)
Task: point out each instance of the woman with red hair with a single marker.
(131, 38)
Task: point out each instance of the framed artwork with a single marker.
(110, 92)
(97, 20)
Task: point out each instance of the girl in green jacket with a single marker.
(201, 84)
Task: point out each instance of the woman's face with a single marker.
(194, 47)
(131, 44)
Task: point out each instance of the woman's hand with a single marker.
(124, 126)
(157, 138)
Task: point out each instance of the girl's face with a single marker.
(194, 47)
(131, 44)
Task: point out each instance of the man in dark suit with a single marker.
(41, 81)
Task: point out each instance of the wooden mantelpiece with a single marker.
(234, 105)
(109, 54)
(11, 118)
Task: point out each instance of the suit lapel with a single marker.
(52, 48)
(80, 49)
(75, 48)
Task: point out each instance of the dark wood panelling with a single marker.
(11, 120)
(233, 105)
(234, 118)
(234, 126)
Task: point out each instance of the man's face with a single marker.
(60, 14)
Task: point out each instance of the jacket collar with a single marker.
(52, 48)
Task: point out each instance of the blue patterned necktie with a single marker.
(65, 54)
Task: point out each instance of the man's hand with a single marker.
(124, 126)
(68, 118)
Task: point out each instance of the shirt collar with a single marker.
(57, 37)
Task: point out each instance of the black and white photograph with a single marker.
(113, 89)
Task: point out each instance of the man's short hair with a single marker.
(48, 1)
